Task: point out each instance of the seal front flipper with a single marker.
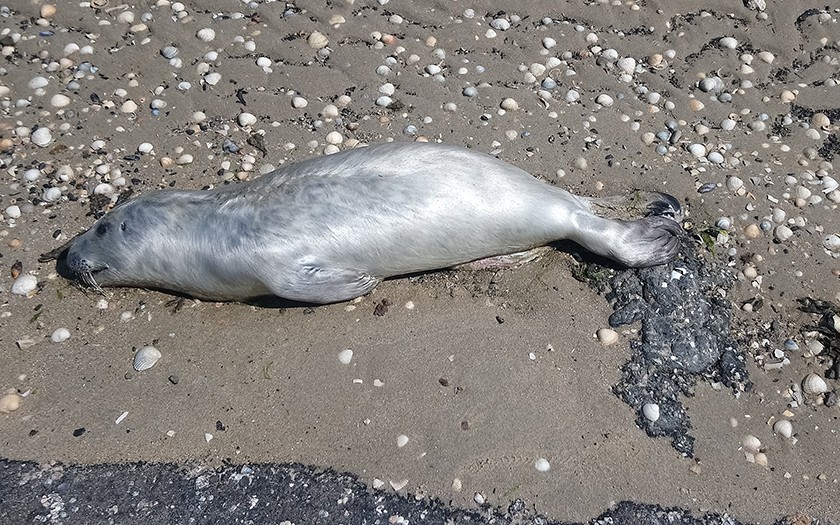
(321, 284)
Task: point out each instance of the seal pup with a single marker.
(330, 229)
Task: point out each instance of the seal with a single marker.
(331, 228)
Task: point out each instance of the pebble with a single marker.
(572, 96)
(299, 102)
(402, 440)
(542, 465)
(715, 158)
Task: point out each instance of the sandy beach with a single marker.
(460, 381)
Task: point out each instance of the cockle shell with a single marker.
(784, 428)
(146, 357)
(9, 403)
(814, 385)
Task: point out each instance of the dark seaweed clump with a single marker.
(684, 337)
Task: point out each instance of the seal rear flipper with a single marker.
(321, 285)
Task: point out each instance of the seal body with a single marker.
(330, 228)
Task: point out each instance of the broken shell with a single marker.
(814, 385)
(25, 285)
(60, 335)
(146, 357)
(398, 485)
(607, 336)
(760, 459)
(751, 444)
(9, 403)
(784, 428)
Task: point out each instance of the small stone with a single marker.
(542, 465)
(299, 102)
(129, 106)
(402, 440)
(715, 158)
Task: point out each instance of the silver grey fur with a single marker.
(329, 229)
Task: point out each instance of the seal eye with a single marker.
(102, 229)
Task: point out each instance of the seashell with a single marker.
(60, 335)
(751, 444)
(206, 34)
(317, 40)
(832, 243)
(398, 485)
(651, 412)
(402, 440)
(542, 465)
(25, 285)
(783, 233)
(345, 356)
(9, 403)
(169, 52)
(784, 428)
(146, 357)
(815, 347)
(246, 119)
(814, 385)
(760, 459)
(604, 100)
(41, 137)
(607, 336)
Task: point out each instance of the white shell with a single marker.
(784, 428)
(751, 444)
(25, 285)
(146, 357)
(345, 356)
(206, 34)
(9, 403)
(317, 41)
(169, 52)
(41, 137)
(651, 412)
(607, 336)
(814, 385)
(398, 485)
(247, 119)
(60, 335)
(402, 440)
(542, 465)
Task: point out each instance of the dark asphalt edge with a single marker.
(163, 493)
